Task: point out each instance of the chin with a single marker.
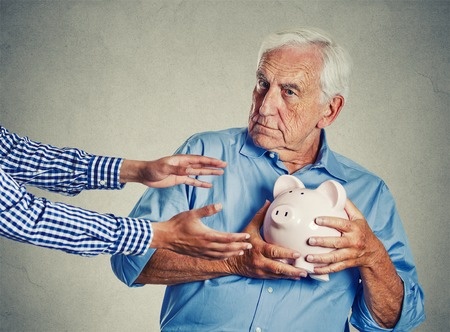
(263, 141)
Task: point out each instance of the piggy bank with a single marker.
(289, 221)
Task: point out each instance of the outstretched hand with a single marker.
(187, 235)
(171, 171)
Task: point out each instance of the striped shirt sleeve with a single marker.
(63, 170)
(26, 218)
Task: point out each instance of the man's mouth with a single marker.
(264, 126)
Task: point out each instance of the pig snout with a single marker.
(282, 214)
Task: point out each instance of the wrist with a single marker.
(161, 236)
(130, 171)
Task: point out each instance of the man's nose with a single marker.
(270, 102)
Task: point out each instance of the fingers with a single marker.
(276, 252)
(196, 183)
(202, 170)
(198, 165)
(223, 245)
(257, 221)
(340, 224)
(220, 245)
(206, 211)
(278, 263)
(228, 238)
(198, 161)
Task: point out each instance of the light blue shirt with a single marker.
(235, 303)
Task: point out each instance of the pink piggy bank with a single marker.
(289, 221)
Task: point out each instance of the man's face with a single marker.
(286, 108)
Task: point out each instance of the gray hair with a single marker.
(335, 76)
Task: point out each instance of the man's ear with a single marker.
(333, 108)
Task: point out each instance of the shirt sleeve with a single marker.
(387, 226)
(26, 218)
(63, 170)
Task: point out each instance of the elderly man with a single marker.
(301, 85)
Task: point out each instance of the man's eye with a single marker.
(289, 92)
(263, 84)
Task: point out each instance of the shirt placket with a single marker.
(266, 305)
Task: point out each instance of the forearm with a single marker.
(169, 268)
(63, 170)
(40, 222)
(383, 290)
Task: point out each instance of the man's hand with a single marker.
(187, 235)
(262, 261)
(171, 171)
(357, 247)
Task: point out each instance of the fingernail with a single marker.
(241, 253)
(319, 221)
(303, 274)
(218, 206)
(249, 246)
(247, 236)
(309, 258)
(312, 241)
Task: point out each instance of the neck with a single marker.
(297, 159)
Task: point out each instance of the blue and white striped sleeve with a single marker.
(26, 218)
(63, 170)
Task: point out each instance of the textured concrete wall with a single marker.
(136, 78)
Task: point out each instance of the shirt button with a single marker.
(272, 155)
(102, 182)
(270, 290)
(258, 329)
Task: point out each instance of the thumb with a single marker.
(259, 216)
(352, 211)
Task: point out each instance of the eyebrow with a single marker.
(290, 86)
(259, 74)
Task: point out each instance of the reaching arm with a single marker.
(63, 170)
(70, 170)
(26, 218)
(261, 261)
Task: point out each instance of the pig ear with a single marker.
(335, 191)
(286, 182)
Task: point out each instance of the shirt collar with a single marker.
(250, 150)
(325, 158)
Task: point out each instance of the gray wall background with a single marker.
(136, 78)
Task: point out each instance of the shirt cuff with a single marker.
(412, 310)
(104, 173)
(134, 238)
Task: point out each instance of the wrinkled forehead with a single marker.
(291, 62)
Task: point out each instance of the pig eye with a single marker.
(290, 191)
